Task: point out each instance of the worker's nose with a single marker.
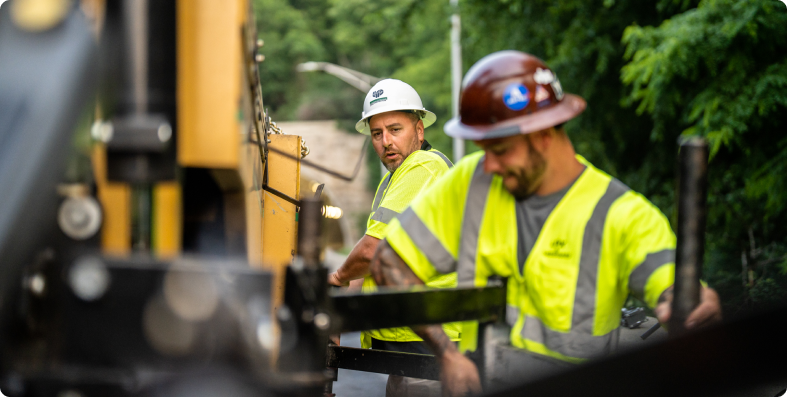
(387, 141)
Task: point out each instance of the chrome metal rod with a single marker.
(136, 25)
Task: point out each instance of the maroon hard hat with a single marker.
(508, 93)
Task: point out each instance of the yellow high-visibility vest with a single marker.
(601, 242)
(418, 171)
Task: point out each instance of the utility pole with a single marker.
(456, 74)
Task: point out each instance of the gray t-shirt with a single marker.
(531, 214)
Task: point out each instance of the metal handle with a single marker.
(692, 192)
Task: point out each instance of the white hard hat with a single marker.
(392, 95)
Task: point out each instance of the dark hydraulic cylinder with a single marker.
(692, 192)
(309, 222)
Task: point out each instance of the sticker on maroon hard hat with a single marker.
(516, 96)
(543, 76)
(546, 76)
(542, 96)
(557, 89)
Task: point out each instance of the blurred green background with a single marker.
(650, 72)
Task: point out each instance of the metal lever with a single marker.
(692, 192)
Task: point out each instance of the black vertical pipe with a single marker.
(692, 192)
(309, 220)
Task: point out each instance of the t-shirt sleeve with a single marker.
(648, 248)
(408, 182)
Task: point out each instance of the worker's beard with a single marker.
(528, 178)
(392, 166)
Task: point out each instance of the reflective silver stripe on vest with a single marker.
(427, 242)
(512, 314)
(384, 215)
(475, 204)
(380, 191)
(639, 277)
(442, 156)
(579, 341)
(572, 344)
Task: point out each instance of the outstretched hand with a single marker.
(706, 313)
(458, 375)
(333, 279)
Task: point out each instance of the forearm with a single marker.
(458, 375)
(357, 264)
(435, 338)
(389, 269)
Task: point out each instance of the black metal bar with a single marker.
(691, 231)
(650, 331)
(275, 192)
(281, 195)
(357, 311)
(422, 366)
(318, 192)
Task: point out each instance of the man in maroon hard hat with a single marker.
(572, 241)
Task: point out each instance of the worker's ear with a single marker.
(419, 130)
(542, 140)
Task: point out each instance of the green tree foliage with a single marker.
(720, 71)
(291, 37)
(403, 39)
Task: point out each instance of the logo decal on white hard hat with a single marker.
(516, 96)
(377, 95)
(383, 99)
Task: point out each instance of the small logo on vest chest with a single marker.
(557, 249)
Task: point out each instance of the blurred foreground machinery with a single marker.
(153, 251)
(149, 208)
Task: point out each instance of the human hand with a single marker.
(335, 339)
(458, 375)
(333, 279)
(355, 285)
(706, 313)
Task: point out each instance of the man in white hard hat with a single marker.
(395, 118)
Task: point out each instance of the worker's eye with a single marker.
(377, 134)
(499, 151)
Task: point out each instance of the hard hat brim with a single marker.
(363, 127)
(570, 107)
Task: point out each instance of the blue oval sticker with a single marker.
(516, 96)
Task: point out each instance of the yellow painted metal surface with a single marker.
(167, 220)
(209, 82)
(115, 201)
(217, 86)
(279, 228)
(251, 174)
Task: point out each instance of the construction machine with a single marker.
(150, 206)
